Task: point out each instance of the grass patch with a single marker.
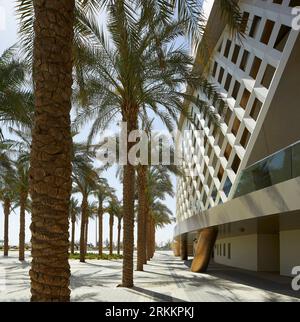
(91, 256)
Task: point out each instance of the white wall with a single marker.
(289, 251)
(243, 252)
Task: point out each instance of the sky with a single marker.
(8, 36)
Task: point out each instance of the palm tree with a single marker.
(144, 189)
(131, 75)
(91, 212)
(85, 179)
(50, 171)
(7, 190)
(50, 175)
(16, 103)
(159, 185)
(113, 210)
(50, 84)
(102, 192)
(161, 215)
(119, 215)
(22, 165)
(74, 214)
(21, 148)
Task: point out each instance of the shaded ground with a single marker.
(165, 279)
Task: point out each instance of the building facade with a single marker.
(245, 174)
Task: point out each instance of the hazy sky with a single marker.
(8, 36)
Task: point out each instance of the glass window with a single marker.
(256, 108)
(269, 26)
(244, 21)
(296, 160)
(227, 151)
(255, 67)
(228, 82)
(236, 164)
(236, 126)
(236, 90)
(227, 186)
(268, 76)
(235, 54)
(255, 26)
(245, 138)
(244, 61)
(245, 99)
(215, 69)
(282, 37)
(227, 48)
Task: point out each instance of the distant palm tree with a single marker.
(7, 190)
(113, 210)
(159, 186)
(102, 192)
(91, 212)
(16, 103)
(85, 179)
(74, 215)
(161, 216)
(119, 215)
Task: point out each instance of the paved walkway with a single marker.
(165, 279)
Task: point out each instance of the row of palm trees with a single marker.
(129, 67)
(14, 193)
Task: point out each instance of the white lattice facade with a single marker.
(247, 73)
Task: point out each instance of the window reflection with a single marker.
(281, 166)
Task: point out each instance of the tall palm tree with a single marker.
(64, 11)
(74, 215)
(50, 171)
(128, 79)
(144, 187)
(50, 176)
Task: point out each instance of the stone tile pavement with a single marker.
(165, 279)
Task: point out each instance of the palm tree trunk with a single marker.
(84, 207)
(50, 174)
(23, 198)
(128, 226)
(119, 235)
(100, 227)
(86, 235)
(6, 224)
(73, 220)
(111, 225)
(142, 210)
(128, 207)
(148, 237)
(153, 239)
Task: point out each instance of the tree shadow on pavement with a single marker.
(160, 297)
